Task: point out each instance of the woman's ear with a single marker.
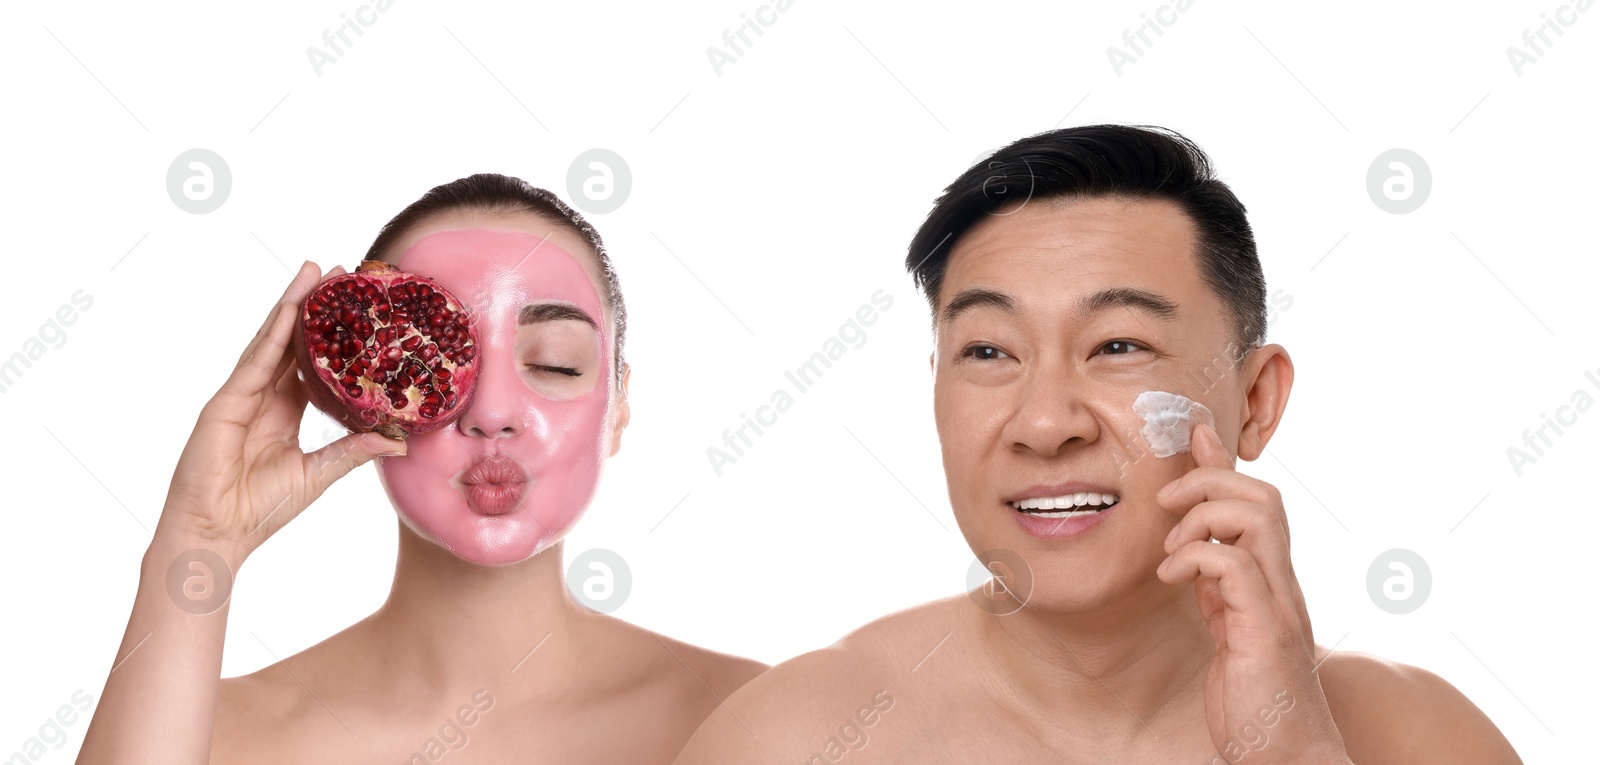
(621, 412)
(1270, 374)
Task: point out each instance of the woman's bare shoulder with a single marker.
(266, 713)
(253, 712)
(642, 655)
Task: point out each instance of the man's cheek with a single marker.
(1138, 474)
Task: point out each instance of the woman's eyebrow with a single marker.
(541, 312)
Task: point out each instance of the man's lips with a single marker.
(1062, 511)
(1073, 496)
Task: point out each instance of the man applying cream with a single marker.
(1080, 280)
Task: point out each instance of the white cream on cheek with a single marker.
(1168, 418)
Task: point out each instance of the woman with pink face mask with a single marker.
(480, 641)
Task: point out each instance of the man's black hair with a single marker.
(1138, 162)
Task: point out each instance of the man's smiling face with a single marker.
(1052, 317)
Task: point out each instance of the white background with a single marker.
(787, 189)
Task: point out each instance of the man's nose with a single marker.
(1051, 412)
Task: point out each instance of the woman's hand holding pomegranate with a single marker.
(242, 476)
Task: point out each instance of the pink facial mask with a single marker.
(513, 474)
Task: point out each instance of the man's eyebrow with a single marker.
(1113, 297)
(1129, 297)
(541, 312)
(971, 298)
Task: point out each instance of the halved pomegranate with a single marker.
(390, 351)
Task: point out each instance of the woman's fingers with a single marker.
(259, 363)
(261, 332)
(336, 460)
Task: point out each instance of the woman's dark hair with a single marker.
(495, 193)
(1140, 162)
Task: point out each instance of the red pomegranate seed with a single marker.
(400, 334)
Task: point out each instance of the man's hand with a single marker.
(1264, 702)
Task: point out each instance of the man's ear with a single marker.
(930, 361)
(622, 412)
(1270, 375)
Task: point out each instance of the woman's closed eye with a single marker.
(568, 371)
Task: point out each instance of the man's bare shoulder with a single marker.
(1393, 712)
(824, 698)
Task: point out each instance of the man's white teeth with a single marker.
(1074, 504)
(1063, 513)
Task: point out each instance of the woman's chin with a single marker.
(496, 556)
(486, 543)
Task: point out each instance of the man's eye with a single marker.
(1117, 347)
(982, 352)
(568, 371)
